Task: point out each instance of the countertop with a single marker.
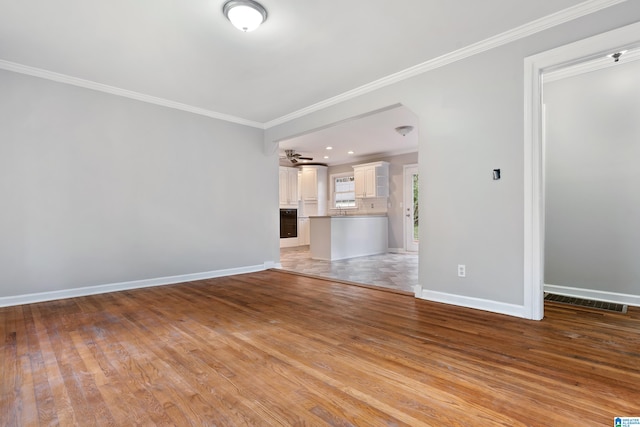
(349, 216)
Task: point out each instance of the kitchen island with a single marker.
(348, 236)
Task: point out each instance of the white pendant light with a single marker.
(245, 15)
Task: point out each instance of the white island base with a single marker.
(350, 236)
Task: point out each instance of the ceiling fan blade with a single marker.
(305, 158)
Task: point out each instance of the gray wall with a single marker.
(396, 192)
(592, 200)
(98, 189)
(471, 121)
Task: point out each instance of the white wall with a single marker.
(592, 200)
(97, 189)
(471, 121)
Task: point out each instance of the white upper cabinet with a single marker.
(371, 180)
(314, 183)
(288, 187)
(309, 184)
(314, 188)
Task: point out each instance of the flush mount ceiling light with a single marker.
(245, 15)
(403, 130)
(616, 56)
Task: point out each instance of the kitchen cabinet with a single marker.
(288, 187)
(314, 188)
(371, 180)
(309, 179)
(303, 231)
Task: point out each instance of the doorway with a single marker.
(410, 206)
(377, 136)
(534, 226)
(592, 143)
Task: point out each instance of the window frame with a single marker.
(332, 179)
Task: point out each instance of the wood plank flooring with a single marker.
(271, 348)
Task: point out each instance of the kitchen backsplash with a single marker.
(365, 207)
(373, 206)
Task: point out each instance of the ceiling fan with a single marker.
(294, 157)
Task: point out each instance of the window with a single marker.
(344, 191)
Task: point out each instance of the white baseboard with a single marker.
(401, 251)
(271, 264)
(417, 291)
(594, 294)
(289, 242)
(470, 302)
(135, 284)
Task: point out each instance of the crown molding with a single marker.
(88, 84)
(506, 37)
(566, 15)
(587, 67)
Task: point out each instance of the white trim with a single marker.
(533, 27)
(136, 284)
(534, 66)
(594, 294)
(332, 191)
(512, 35)
(271, 264)
(399, 251)
(88, 84)
(288, 242)
(589, 66)
(470, 302)
(533, 214)
(417, 291)
(407, 198)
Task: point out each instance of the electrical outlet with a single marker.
(462, 270)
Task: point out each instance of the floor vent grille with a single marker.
(600, 305)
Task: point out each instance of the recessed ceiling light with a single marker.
(350, 152)
(329, 148)
(326, 157)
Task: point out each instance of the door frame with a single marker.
(407, 196)
(534, 67)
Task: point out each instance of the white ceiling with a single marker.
(308, 51)
(373, 135)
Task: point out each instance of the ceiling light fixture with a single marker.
(350, 152)
(329, 148)
(616, 56)
(245, 15)
(404, 130)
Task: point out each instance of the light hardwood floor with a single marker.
(272, 348)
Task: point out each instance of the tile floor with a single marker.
(395, 271)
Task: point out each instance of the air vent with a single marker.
(599, 305)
